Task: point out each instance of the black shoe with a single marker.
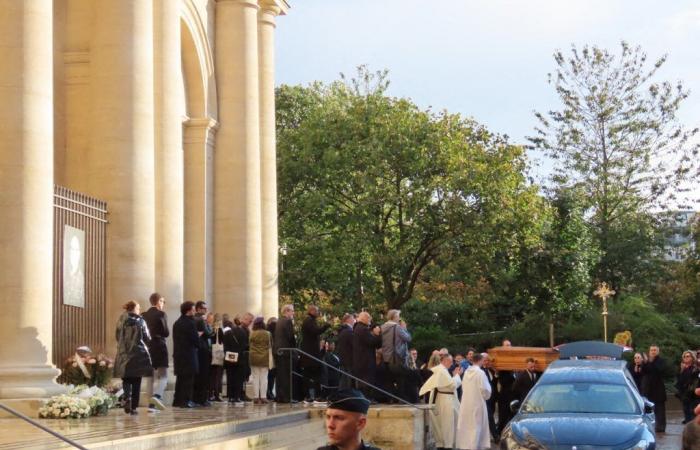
(127, 410)
(206, 404)
(187, 405)
(134, 412)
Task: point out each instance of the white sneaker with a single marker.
(157, 403)
(153, 410)
(239, 404)
(320, 403)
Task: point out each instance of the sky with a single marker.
(487, 59)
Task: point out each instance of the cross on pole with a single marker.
(604, 292)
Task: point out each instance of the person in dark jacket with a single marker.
(491, 402)
(157, 322)
(185, 357)
(133, 360)
(271, 374)
(636, 369)
(311, 344)
(235, 341)
(200, 394)
(654, 387)
(525, 380)
(365, 342)
(686, 383)
(343, 349)
(284, 338)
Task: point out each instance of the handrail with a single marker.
(42, 427)
(291, 351)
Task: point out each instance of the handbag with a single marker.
(217, 352)
(231, 357)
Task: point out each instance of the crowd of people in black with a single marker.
(376, 359)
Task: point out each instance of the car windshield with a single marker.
(581, 398)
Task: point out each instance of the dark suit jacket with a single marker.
(343, 346)
(493, 381)
(653, 380)
(157, 322)
(185, 346)
(364, 346)
(523, 384)
(284, 335)
(311, 340)
(236, 340)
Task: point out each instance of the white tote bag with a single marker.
(217, 352)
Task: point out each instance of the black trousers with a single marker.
(504, 412)
(660, 413)
(490, 410)
(216, 375)
(235, 377)
(202, 379)
(312, 381)
(132, 391)
(183, 389)
(282, 386)
(271, 382)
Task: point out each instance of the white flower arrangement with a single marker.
(81, 401)
(65, 406)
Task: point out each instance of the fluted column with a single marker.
(26, 199)
(268, 156)
(121, 159)
(237, 213)
(199, 134)
(169, 157)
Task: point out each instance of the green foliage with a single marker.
(618, 139)
(374, 189)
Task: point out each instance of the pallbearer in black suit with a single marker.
(525, 380)
(491, 402)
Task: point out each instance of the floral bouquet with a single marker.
(85, 368)
(64, 407)
(99, 400)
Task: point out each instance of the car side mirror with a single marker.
(514, 406)
(648, 407)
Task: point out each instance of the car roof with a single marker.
(585, 371)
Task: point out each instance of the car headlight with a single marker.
(641, 445)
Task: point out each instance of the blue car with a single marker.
(582, 404)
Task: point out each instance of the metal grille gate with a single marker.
(73, 325)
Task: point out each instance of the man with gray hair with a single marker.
(395, 339)
(284, 338)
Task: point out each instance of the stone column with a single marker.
(268, 156)
(121, 159)
(237, 213)
(26, 199)
(169, 157)
(199, 137)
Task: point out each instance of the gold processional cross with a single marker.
(604, 293)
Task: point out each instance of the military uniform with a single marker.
(353, 401)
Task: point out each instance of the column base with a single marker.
(29, 382)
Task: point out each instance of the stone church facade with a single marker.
(163, 109)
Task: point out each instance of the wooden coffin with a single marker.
(513, 358)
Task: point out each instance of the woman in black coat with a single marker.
(637, 370)
(366, 341)
(235, 340)
(133, 360)
(686, 383)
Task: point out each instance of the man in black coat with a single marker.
(200, 394)
(525, 380)
(157, 322)
(365, 343)
(343, 348)
(311, 343)
(491, 402)
(236, 341)
(284, 338)
(185, 358)
(653, 386)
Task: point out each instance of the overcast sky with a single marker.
(487, 59)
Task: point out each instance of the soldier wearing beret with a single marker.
(346, 417)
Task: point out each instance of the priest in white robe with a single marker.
(443, 394)
(473, 424)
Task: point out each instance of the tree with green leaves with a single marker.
(617, 137)
(373, 189)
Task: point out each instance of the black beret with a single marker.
(349, 400)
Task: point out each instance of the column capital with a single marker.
(274, 7)
(243, 3)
